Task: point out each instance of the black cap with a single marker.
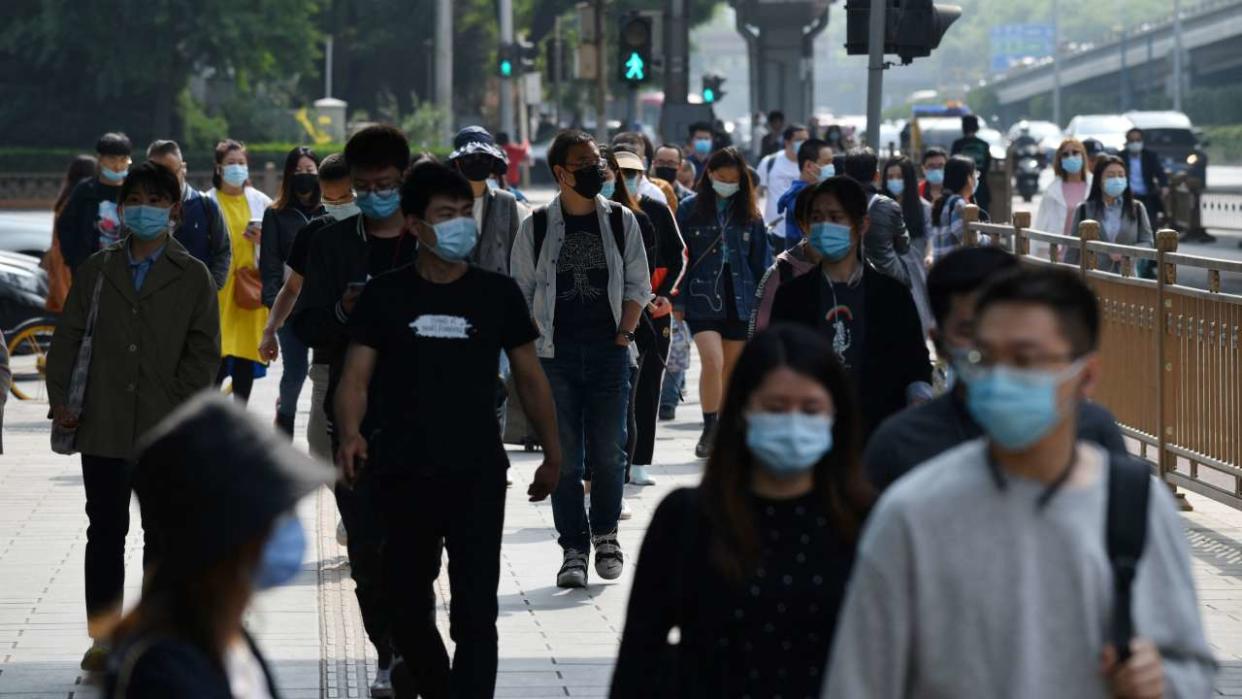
(1093, 147)
(476, 139)
(210, 478)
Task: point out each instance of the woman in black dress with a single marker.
(739, 581)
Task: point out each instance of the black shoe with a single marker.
(284, 425)
(704, 448)
(668, 413)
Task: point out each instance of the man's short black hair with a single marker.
(334, 168)
(681, 154)
(788, 134)
(1134, 129)
(114, 143)
(809, 152)
(934, 152)
(701, 126)
(1059, 290)
(848, 193)
(152, 178)
(377, 147)
(861, 163)
(964, 271)
(776, 115)
(429, 179)
(558, 152)
(162, 147)
(970, 124)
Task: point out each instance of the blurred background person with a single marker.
(899, 182)
(59, 276)
(1063, 195)
(1111, 203)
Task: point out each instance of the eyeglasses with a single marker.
(976, 362)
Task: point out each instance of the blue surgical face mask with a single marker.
(935, 177)
(897, 187)
(702, 146)
(282, 554)
(114, 176)
(1072, 164)
(827, 171)
(455, 239)
(146, 222)
(724, 190)
(609, 189)
(832, 240)
(379, 204)
(1015, 407)
(1115, 186)
(340, 212)
(797, 146)
(632, 183)
(1135, 147)
(235, 175)
(788, 444)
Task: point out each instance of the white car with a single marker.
(1109, 129)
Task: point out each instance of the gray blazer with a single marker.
(1135, 230)
(500, 225)
(886, 234)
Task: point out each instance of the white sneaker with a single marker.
(639, 476)
(626, 513)
(608, 559)
(342, 536)
(573, 571)
(381, 688)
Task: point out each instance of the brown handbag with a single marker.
(248, 288)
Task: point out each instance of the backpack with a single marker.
(616, 221)
(1129, 485)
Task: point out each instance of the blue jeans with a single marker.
(294, 356)
(591, 387)
(671, 389)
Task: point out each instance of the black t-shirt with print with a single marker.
(583, 313)
(434, 386)
(841, 319)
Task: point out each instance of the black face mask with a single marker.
(475, 169)
(589, 181)
(305, 183)
(668, 174)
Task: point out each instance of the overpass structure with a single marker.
(1135, 65)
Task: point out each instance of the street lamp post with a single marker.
(506, 82)
(1056, 62)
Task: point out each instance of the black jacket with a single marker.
(203, 233)
(896, 355)
(978, 150)
(90, 213)
(167, 667)
(280, 227)
(666, 251)
(1154, 176)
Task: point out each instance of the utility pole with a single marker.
(506, 82)
(1177, 55)
(676, 53)
(444, 63)
(601, 77)
(875, 71)
(1125, 67)
(558, 67)
(327, 67)
(1056, 63)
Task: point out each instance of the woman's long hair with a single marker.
(1057, 167)
(956, 174)
(223, 148)
(911, 202)
(742, 205)
(621, 194)
(1096, 196)
(726, 487)
(287, 196)
(81, 167)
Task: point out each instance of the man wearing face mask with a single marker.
(1148, 180)
(424, 347)
(156, 344)
(201, 230)
(869, 317)
(886, 237)
(923, 432)
(779, 170)
(702, 144)
(495, 211)
(582, 266)
(665, 164)
(90, 222)
(815, 162)
(990, 570)
(341, 258)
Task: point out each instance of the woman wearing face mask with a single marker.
(948, 211)
(155, 344)
(901, 184)
(226, 516)
(242, 313)
(751, 566)
(868, 317)
(728, 255)
(298, 203)
(1122, 218)
(1067, 191)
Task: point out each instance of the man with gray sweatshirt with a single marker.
(984, 572)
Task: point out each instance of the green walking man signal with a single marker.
(635, 68)
(635, 44)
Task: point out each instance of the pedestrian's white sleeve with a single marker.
(521, 262)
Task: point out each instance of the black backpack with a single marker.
(616, 221)
(1129, 485)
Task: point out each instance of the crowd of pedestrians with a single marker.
(435, 314)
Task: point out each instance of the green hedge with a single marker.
(1226, 144)
(17, 159)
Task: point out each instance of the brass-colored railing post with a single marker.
(1088, 231)
(970, 237)
(1166, 273)
(1021, 221)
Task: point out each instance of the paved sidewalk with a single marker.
(553, 643)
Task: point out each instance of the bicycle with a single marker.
(28, 344)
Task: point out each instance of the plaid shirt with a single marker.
(948, 236)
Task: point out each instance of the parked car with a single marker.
(23, 289)
(1109, 129)
(26, 232)
(1178, 143)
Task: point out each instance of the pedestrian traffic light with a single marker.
(634, 66)
(712, 91)
(526, 53)
(912, 28)
(504, 60)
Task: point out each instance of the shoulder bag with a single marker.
(64, 439)
(248, 286)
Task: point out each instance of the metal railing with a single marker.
(1171, 373)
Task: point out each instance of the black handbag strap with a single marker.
(1129, 485)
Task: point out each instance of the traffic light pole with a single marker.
(506, 83)
(601, 77)
(444, 64)
(875, 71)
(676, 53)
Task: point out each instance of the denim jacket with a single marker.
(749, 256)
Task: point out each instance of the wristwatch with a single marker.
(627, 335)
